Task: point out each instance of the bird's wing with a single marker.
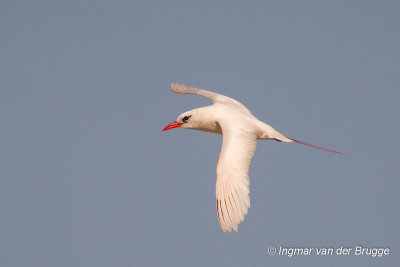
(215, 98)
(232, 186)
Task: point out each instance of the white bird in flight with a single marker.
(240, 130)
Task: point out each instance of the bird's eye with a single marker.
(186, 118)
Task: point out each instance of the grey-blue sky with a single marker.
(88, 179)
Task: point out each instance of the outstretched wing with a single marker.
(232, 186)
(215, 98)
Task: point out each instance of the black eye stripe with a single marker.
(186, 118)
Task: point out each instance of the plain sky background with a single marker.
(87, 178)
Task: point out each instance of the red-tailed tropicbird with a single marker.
(240, 130)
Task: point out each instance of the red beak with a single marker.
(172, 125)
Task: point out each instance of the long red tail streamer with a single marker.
(317, 147)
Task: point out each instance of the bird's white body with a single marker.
(240, 130)
(229, 111)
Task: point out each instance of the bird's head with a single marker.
(201, 119)
(185, 120)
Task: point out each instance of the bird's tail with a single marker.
(317, 147)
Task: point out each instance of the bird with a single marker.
(240, 131)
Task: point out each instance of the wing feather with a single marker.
(215, 98)
(232, 185)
